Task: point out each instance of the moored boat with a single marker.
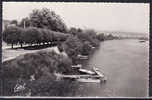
(76, 66)
(98, 72)
(86, 71)
(85, 76)
(88, 80)
(82, 57)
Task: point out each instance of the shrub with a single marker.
(42, 64)
(73, 47)
(36, 63)
(86, 48)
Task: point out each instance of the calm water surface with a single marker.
(125, 63)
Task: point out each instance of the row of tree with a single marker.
(31, 35)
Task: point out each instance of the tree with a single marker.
(73, 47)
(73, 31)
(14, 22)
(47, 19)
(47, 35)
(86, 48)
(11, 35)
(101, 37)
(91, 33)
(25, 22)
(30, 35)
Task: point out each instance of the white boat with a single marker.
(88, 80)
(82, 57)
(93, 47)
(77, 66)
(97, 71)
(86, 71)
(88, 76)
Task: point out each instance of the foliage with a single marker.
(73, 31)
(42, 64)
(31, 35)
(44, 86)
(25, 22)
(45, 18)
(14, 22)
(73, 47)
(36, 63)
(101, 37)
(11, 35)
(86, 48)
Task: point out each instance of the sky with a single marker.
(124, 17)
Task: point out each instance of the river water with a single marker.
(125, 63)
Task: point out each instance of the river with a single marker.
(126, 65)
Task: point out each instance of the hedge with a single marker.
(31, 35)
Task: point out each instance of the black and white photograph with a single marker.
(75, 49)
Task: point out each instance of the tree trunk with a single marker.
(12, 45)
(21, 45)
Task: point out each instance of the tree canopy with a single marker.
(25, 22)
(45, 18)
(31, 35)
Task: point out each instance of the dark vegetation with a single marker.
(39, 63)
(31, 35)
(44, 26)
(42, 65)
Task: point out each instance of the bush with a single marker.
(73, 46)
(36, 63)
(41, 64)
(86, 48)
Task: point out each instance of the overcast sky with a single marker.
(126, 17)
